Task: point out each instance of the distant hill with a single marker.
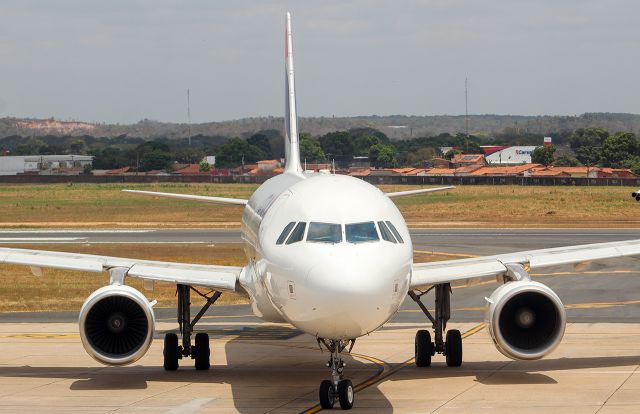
(395, 126)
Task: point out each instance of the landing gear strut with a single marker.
(200, 350)
(451, 345)
(338, 388)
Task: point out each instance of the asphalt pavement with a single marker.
(607, 291)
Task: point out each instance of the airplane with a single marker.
(332, 256)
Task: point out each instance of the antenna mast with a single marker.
(189, 115)
(466, 108)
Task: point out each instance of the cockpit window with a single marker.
(285, 232)
(385, 233)
(297, 234)
(395, 231)
(324, 232)
(361, 232)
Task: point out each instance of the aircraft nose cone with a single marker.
(350, 299)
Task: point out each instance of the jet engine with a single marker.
(116, 325)
(526, 319)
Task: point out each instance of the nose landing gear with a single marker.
(451, 348)
(338, 388)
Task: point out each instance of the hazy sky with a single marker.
(122, 61)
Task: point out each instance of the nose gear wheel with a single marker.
(337, 388)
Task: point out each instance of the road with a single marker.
(608, 291)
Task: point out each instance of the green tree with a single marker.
(109, 158)
(261, 141)
(310, 149)
(451, 153)
(632, 163)
(543, 155)
(362, 143)
(587, 144)
(25, 149)
(472, 148)
(587, 137)
(155, 160)
(619, 147)
(233, 152)
(382, 155)
(188, 155)
(338, 146)
(468, 145)
(566, 161)
(415, 158)
(77, 147)
(204, 166)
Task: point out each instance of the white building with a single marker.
(44, 164)
(511, 155)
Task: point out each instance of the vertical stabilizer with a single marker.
(291, 145)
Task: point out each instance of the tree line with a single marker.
(588, 146)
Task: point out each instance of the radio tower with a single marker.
(189, 115)
(466, 109)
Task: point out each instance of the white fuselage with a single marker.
(333, 290)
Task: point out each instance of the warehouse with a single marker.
(44, 164)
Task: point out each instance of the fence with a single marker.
(394, 179)
(503, 180)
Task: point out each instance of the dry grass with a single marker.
(518, 206)
(62, 290)
(105, 205)
(66, 290)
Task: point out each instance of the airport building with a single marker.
(44, 164)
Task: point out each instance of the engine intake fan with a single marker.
(526, 319)
(116, 325)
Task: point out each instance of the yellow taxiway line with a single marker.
(384, 372)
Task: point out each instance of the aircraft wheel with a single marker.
(202, 351)
(326, 395)
(345, 394)
(453, 348)
(171, 351)
(424, 348)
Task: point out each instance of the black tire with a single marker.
(326, 395)
(202, 351)
(424, 348)
(345, 394)
(171, 352)
(453, 348)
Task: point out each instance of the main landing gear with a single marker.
(451, 345)
(200, 351)
(337, 388)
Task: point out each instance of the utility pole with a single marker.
(466, 112)
(189, 115)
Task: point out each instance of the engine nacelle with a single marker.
(526, 319)
(116, 325)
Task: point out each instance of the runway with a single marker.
(468, 241)
(260, 367)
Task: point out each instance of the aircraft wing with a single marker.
(222, 278)
(470, 271)
(208, 199)
(420, 191)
